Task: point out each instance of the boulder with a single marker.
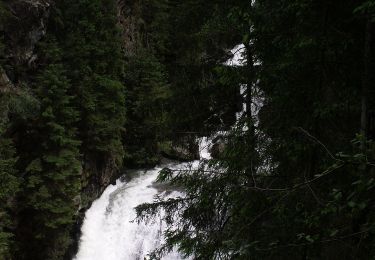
(184, 149)
(218, 147)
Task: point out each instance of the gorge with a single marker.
(173, 129)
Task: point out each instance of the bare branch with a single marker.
(319, 142)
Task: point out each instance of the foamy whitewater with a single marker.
(109, 231)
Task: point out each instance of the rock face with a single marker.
(130, 22)
(5, 84)
(97, 174)
(185, 149)
(24, 26)
(24, 29)
(218, 147)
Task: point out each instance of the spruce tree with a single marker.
(9, 176)
(9, 182)
(92, 49)
(307, 190)
(52, 181)
(148, 98)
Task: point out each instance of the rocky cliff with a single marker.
(24, 27)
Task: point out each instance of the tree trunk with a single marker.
(250, 78)
(365, 81)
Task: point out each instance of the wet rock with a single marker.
(5, 84)
(25, 27)
(218, 147)
(185, 149)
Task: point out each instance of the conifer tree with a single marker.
(148, 98)
(93, 51)
(9, 182)
(307, 191)
(9, 178)
(52, 181)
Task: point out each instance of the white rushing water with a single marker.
(109, 231)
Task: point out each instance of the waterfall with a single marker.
(109, 231)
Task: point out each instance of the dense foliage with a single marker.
(52, 177)
(296, 179)
(89, 87)
(66, 122)
(9, 184)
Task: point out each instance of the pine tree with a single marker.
(148, 97)
(306, 191)
(52, 181)
(9, 176)
(93, 51)
(9, 182)
(197, 44)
